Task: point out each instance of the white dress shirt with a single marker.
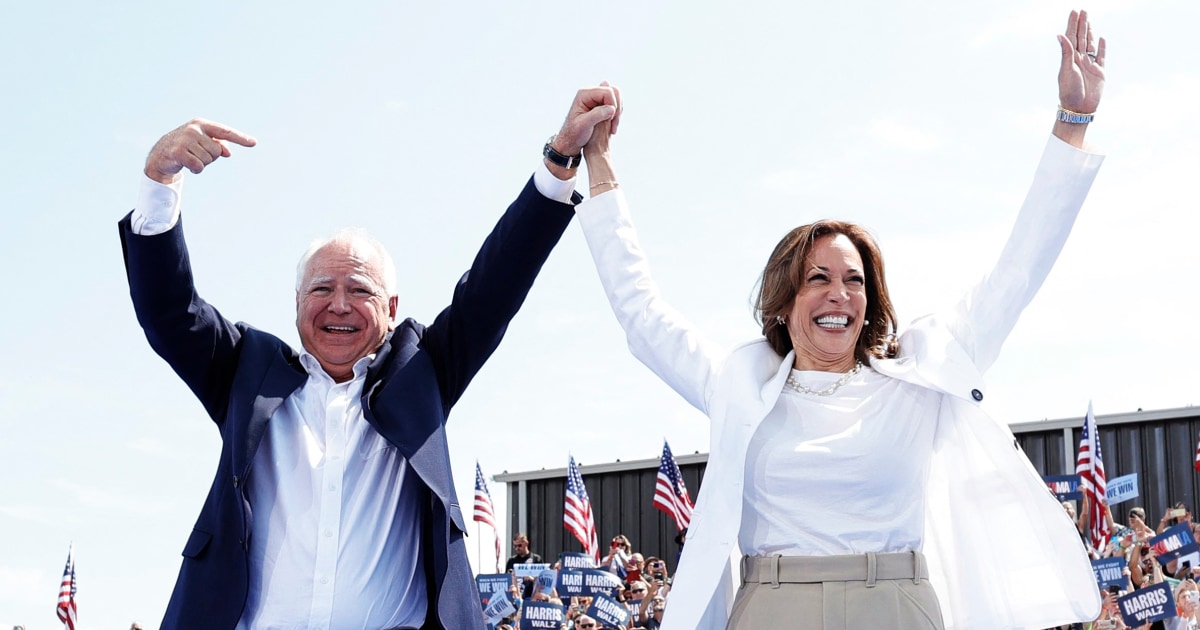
(840, 474)
(335, 541)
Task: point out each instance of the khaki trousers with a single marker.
(876, 591)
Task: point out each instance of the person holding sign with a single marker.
(848, 465)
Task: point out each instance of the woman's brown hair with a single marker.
(784, 274)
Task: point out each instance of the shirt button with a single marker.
(328, 534)
(977, 395)
(324, 580)
(332, 487)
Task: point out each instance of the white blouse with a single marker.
(840, 474)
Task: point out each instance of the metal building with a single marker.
(1161, 446)
(622, 494)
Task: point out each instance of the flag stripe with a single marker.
(577, 512)
(670, 493)
(484, 513)
(1089, 465)
(66, 593)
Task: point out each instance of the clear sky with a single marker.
(421, 121)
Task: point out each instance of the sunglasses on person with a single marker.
(586, 626)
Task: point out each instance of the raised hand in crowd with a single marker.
(1141, 530)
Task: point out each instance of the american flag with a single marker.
(670, 495)
(66, 592)
(483, 508)
(1198, 456)
(1090, 467)
(577, 512)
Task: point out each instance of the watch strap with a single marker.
(565, 161)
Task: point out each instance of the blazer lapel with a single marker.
(281, 379)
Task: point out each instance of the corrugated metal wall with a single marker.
(622, 503)
(1162, 450)
(1159, 445)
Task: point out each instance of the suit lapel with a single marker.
(281, 379)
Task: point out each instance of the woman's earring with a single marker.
(780, 320)
(866, 322)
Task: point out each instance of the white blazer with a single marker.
(1002, 552)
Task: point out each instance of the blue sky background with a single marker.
(421, 121)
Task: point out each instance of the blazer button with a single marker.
(977, 395)
(235, 479)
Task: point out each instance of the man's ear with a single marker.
(393, 307)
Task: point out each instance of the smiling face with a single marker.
(829, 309)
(343, 311)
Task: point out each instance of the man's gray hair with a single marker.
(354, 236)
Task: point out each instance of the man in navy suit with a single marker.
(333, 504)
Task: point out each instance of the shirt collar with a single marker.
(314, 369)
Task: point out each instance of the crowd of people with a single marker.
(645, 583)
(1132, 541)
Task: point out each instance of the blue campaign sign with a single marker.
(600, 582)
(489, 583)
(569, 583)
(569, 560)
(545, 582)
(586, 582)
(542, 616)
(499, 607)
(609, 612)
(1110, 572)
(1153, 603)
(1065, 487)
(529, 569)
(1174, 542)
(1121, 489)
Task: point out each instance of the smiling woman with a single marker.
(827, 280)
(844, 456)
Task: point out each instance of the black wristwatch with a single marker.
(565, 161)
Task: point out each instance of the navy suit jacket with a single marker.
(242, 375)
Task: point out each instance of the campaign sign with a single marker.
(542, 616)
(532, 569)
(1065, 487)
(1121, 489)
(609, 612)
(1110, 572)
(1153, 603)
(498, 607)
(569, 560)
(545, 582)
(586, 582)
(489, 583)
(1174, 542)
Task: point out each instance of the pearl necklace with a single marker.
(828, 391)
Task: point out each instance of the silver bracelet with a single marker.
(1074, 118)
